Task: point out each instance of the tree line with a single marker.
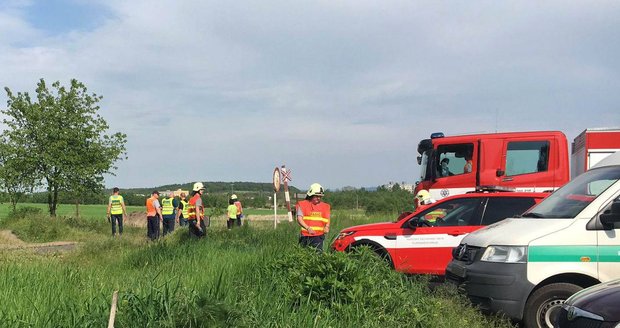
(56, 148)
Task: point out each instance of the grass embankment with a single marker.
(247, 277)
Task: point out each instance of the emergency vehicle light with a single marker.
(437, 135)
(493, 189)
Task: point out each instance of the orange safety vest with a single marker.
(150, 209)
(315, 216)
(432, 216)
(239, 210)
(191, 207)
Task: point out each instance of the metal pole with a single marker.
(275, 211)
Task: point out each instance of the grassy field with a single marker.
(254, 276)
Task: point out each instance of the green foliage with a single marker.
(383, 200)
(250, 277)
(63, 141)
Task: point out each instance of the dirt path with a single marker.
(8, 241)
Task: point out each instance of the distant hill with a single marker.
(211, 187)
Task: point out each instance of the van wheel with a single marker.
(543, 306)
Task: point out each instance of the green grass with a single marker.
(86, 211)
(255, 276)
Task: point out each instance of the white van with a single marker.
(526, 267)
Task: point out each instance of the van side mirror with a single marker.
(419, 158)
(611, 216)
(499, 173)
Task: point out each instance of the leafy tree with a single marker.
(64, 138)
(16, 173)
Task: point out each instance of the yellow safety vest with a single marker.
(116, 201)
(167, 207)
(185, 211)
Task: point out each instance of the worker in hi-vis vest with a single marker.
(116, 211)
(237, 204)
(182, 213)
(153, 215)
(195, 212)
(168, 210)
(313, 216)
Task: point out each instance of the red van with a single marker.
(421, 242)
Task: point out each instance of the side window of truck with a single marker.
(499, 208)
(523, 157)
(454, 159)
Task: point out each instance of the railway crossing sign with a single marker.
(286, 174)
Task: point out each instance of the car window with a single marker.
(499, 208)
(456, 212)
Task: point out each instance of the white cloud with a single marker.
(350, 85)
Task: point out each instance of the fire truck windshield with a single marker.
(425, 172)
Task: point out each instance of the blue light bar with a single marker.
(437, 135)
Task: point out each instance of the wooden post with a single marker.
(287, 196)
(113, 309)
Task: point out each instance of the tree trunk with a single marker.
(77, 208)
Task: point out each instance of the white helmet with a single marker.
(424, 197)
(233, 197)
(315, 190)
(198, 186)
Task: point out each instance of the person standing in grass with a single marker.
(182, 214)
(313, 216)
(169, 208)
(239, 208)
(195, 212)
(232, 213)
(153, 216)
(116, 211)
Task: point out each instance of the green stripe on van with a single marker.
(573, 253)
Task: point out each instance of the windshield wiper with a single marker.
(532, 215)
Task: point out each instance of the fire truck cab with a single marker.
(522, 161)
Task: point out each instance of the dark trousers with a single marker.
(152, 227)
(312, 241)
(168, 224)
(193, 229)
(239, 217)
(117, 218)
(230, 223)
(182, 221)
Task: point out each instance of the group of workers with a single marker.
(170, 211)
(313, 215)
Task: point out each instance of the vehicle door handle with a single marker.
(507, 179)
(390, 237)
(456, 233)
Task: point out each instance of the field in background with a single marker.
(248, 277)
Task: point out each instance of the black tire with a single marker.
(543, 305)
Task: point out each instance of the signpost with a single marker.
(286, 177)
(276, 188)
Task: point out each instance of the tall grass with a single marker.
(247, 277)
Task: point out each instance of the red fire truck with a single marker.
(521, 161)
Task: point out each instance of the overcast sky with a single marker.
(339, 91)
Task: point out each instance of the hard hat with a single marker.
(315, 190)
(423, 195)
(233, 197)
(198, 186)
